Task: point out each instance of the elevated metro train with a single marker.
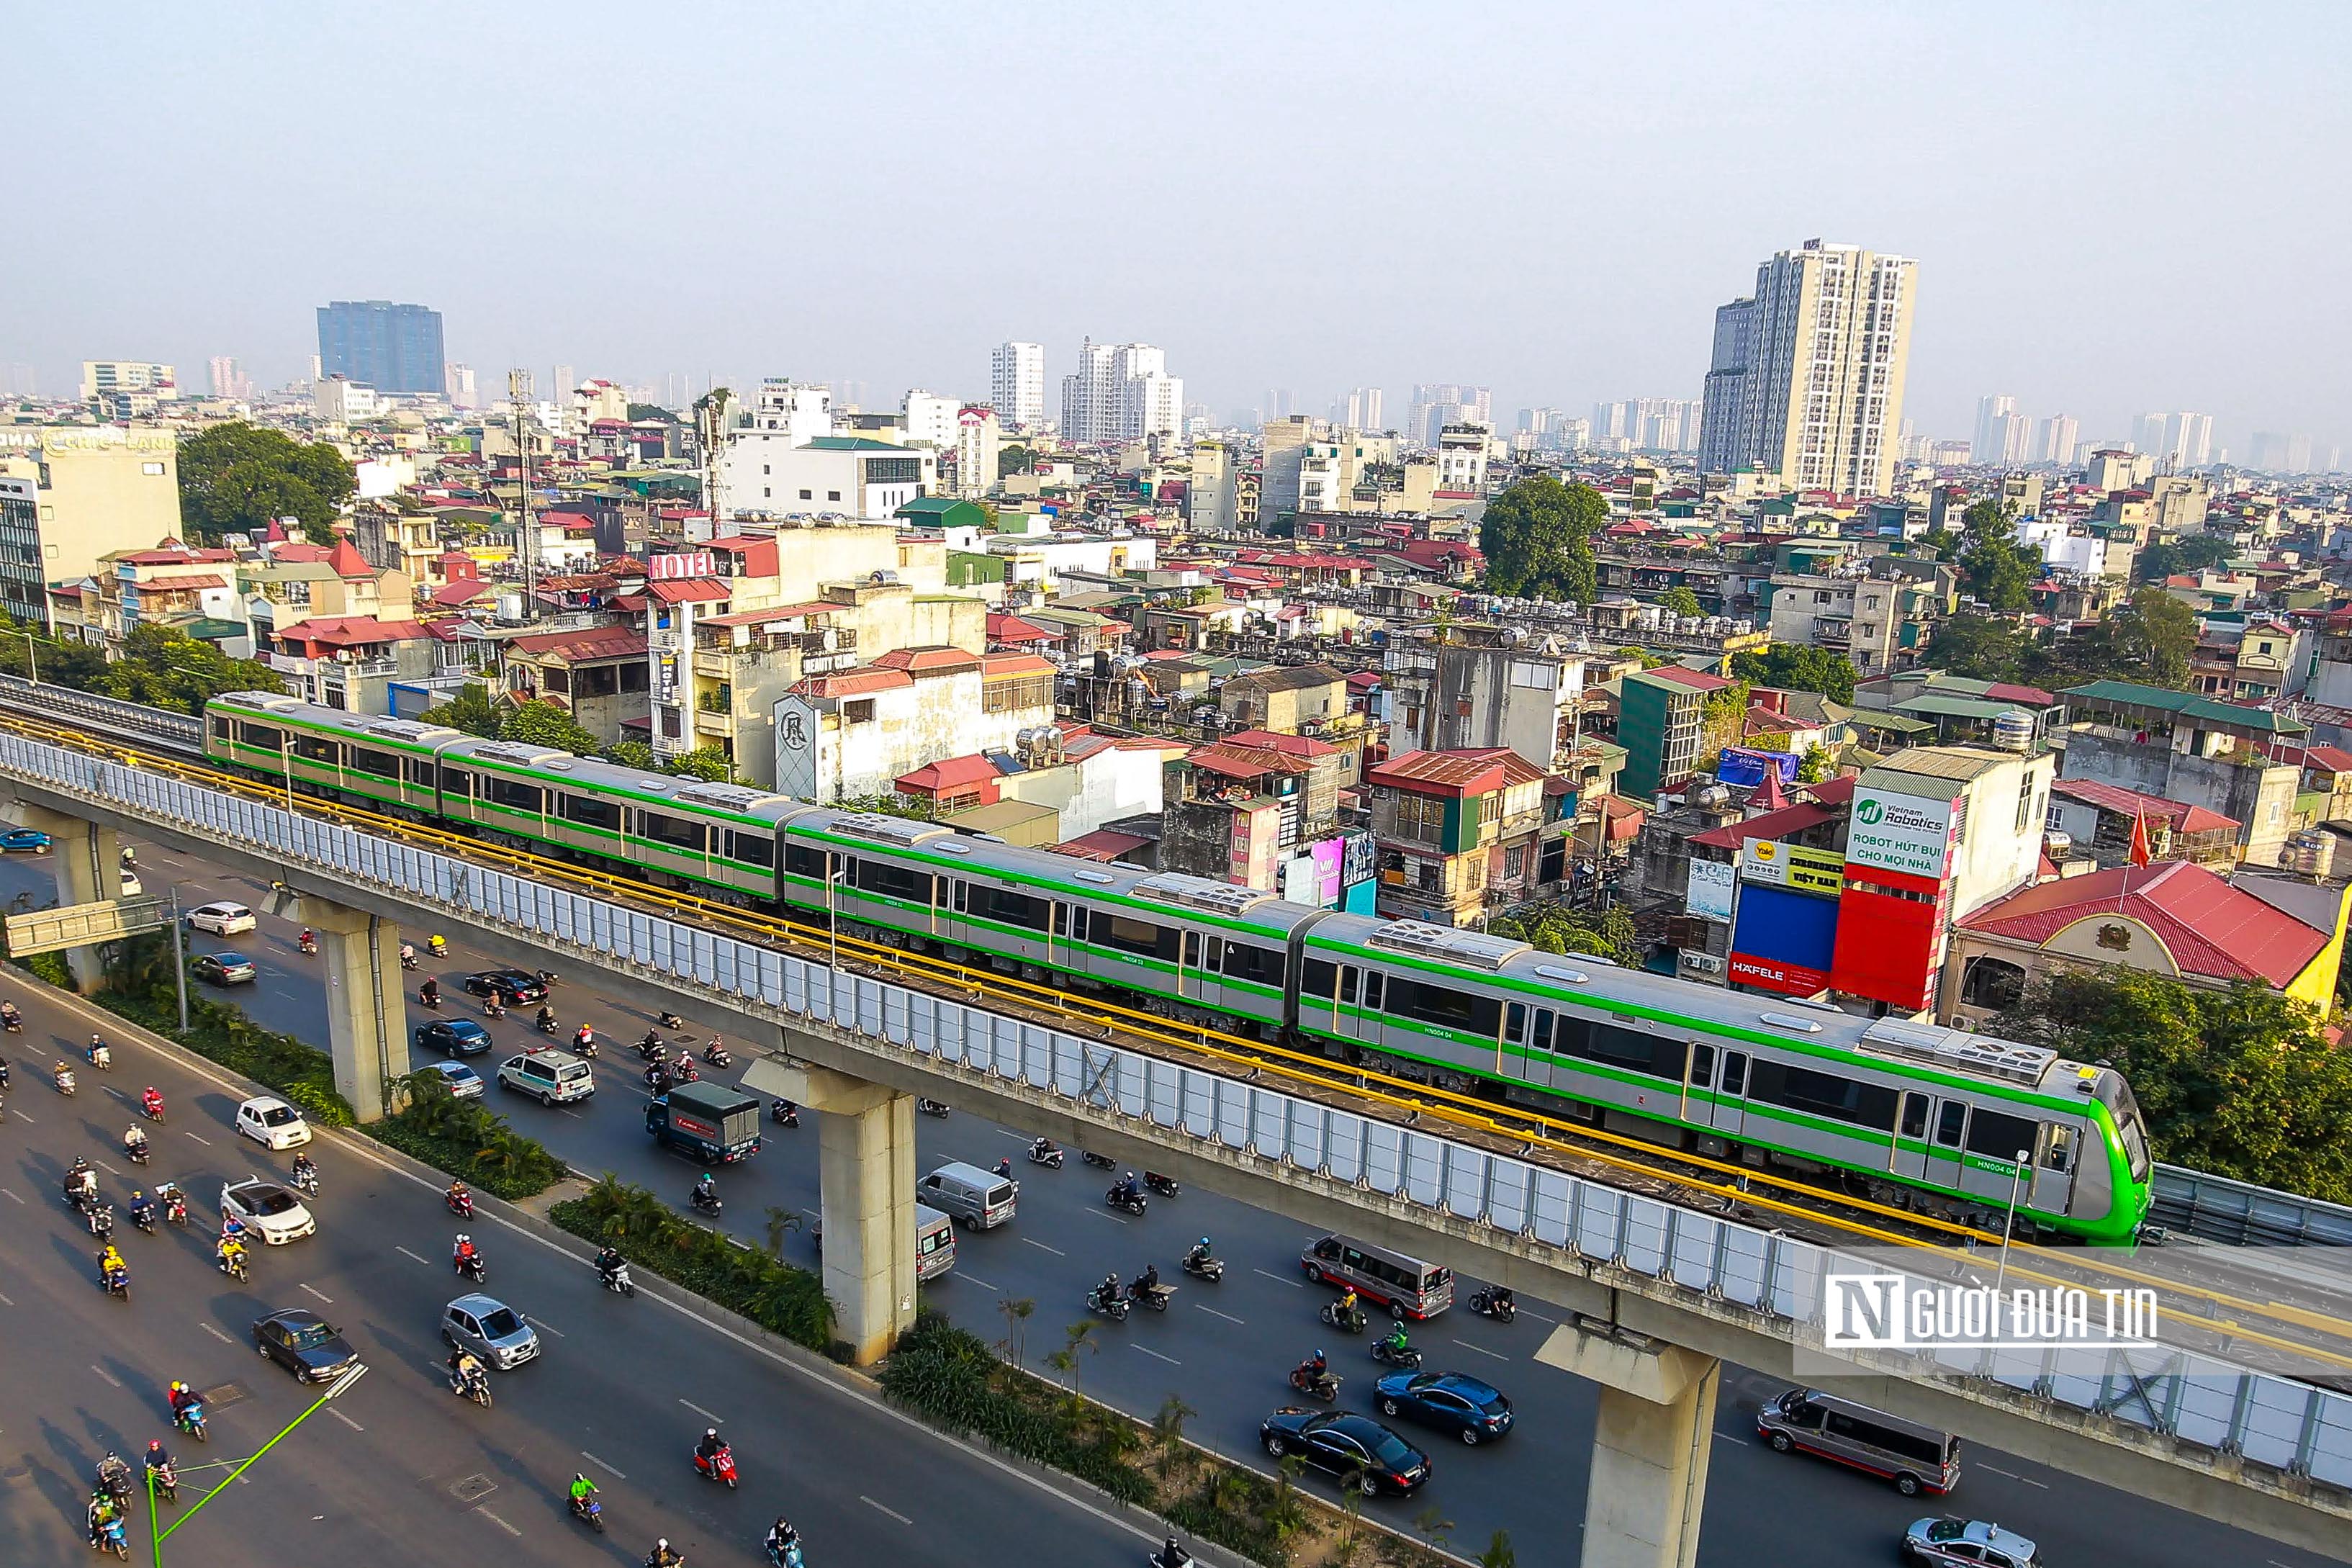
(1912, 1115)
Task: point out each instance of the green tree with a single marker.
(2155, 633)
(1722, 721)
(163, 666)
(708, 763)
(1537, 537)
(73, 664)
(471, 711)
(1976, 647)
(238, 477)
(1795, 666)
(1015, 459)
(2240, 1082)
(1993, 565)
(652, 410)
(631, 754)
(545, 725)
(1815, 766)
(1938, 543)
(1554, 927)
(1679, 600)
(2180, 557)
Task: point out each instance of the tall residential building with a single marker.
(1649, 424)
(2177, 441)
(124, 389)
(931, 418)
(979, 441)
(2003, 434)
(457, 385)
(1016, 385)
(1820, 397)
(1360, 409)
(228, 377)
(1727, 382)
(78, 495)
(397, 349)
(2056, 439)
(1122, 392)
(2280, 453)
(1437, 404)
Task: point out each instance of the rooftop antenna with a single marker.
(519, 398)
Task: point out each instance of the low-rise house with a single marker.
(1457, 834)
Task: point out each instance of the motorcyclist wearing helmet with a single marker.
(582, 1488)
(143, 1207)
(711, 1445)
(1200, 1253)
(608, 1262)
(663, 1557)
(782, 1536)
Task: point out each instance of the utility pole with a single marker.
(518, 401)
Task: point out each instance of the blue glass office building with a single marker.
(393, 348)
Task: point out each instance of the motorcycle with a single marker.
(407, 960)
(1091, 1158)
(1210, 1268)
(550, 1027)
(683, 1070)
(546, 977)
(13, 1022)
(650, 1048)
(190, 1418)
(931, 1107)
(1347, 1320)
(101, 1223)
(1155, 1296)
(1120, 1198)
(717, 1056)
(785, 1113)
(429, 998)
(1388, 1353)
(152, 1109)
(473, 1386)
(166, 1481)
(1115, 1307)
(471, 1266)
(672, 1021)
(64, 1080)
(175, 1202)
(458, 1203)
(1323, 1386)
(719, 1466)
(1164, 1186)
(618, 1279)
(589, 1512)
(306, 1178)
(306, 945)
(1495, 1304)
(144, 1219)
(99, 1056)
(114, 1479)
(235, 1267)
(660, 1078)
(1050, 1157)
(135, 1152)
(704, 1202)
(790, 1557)
(117, 1283)
(111, 1539)
(493, 1008)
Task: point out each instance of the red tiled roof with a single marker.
(1464, 772)
(1831, 792)
(855, 682)
(458, 592)
(1772, 824)
(1013, 628)
(1364, 681)
(348, 631)
(2182, 817)
(1004, 666)
(2328, 759)
(300, 555)
(591, 642)
(1104, 844)
(346, 561)
(927, 660)
(2007, 691)
(2212, 929)
(690, 590)
(947, 773)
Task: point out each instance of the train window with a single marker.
(382, 765)
(1915, 1116)
(1009, 908)
(420, 772)
(589, 811)
(2060, 1154)
(1734, 1073)
(800, 860)
(1125, 932)
(1444, 1006)
(1634, 1051)
(1078, 922)
(317, 749)
(1320, 977)
(1542, 1039)
(942, 891)
(1996, 1136)
(751, 848)
(1374, 983)
(515, 797)
(1515, 1022)
(1823, 1094)
(890, 880)
(677, 832)
(1255, 964)
(962, 896)
(1702, 1069)
(1061, 919)
(456, 781)
(1349, 974)
(262, 735)
(220, 727)
(1951, 1119)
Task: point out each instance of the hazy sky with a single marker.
(2114, 207)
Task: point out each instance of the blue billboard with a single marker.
(1783, 941)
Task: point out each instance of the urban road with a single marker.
(1223, 1348)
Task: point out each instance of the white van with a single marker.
(552, 1078)
(977, 1199)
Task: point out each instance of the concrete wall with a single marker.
(2261, 799)
(912, 725)
(1111, 783)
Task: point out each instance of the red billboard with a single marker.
(1771, 974)
(1888, 947)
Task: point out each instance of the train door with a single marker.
(1527, 1041)
(1203, 961)
(1731, 1093)
(2052, 1184)
(1908, 1157)
(1947, 1148)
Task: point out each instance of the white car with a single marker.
(270, 1210)
(272, 1124)
(222, 919)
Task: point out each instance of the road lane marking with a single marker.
(698, 1410)
(1147, 1349)
(501, 1523)
(199, 1138)
(1226, 1316)
(573, 1114)
(22, 1117)
(405, 1253)
(10, 1196)
(6, 1302)
(274, 991)
(1538, 1317)
(1043, 1247)
(322, 1296)
(976, 1280)
(107, 1168)
(1282, 1279)
(1727, 1438)
(216, 1333)
(346, 1420)
(1997, 1470)
(1481, 1350)
(1105, 1214)
(108, 1375)
(602, 1466)
(543, 1323)
(878, 1507)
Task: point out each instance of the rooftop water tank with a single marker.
(2014, 730)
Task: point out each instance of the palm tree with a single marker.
(1168, 1430)
(1066, 1360)
(782, 1222)
(1498, 1552)
(1016, 1310)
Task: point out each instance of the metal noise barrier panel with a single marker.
(2274, 1421)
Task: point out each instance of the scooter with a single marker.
(550, 1027)
(117, 1283)
(431, 999)
(144, 1219)
(1210, 1268)
(408, 960)
(619, 1280)
(719, 1466)
(1348, 1320)
(235, 1267)
(1164, 1186)
(672, 1021)
(704, 1202)
(475, 1387)
(1120, 1198)
(101, 1223)
(190, 1418)
(931, 1107)
(1155, 1296)
(650, 1048)
(1091, 1158)
(64, 1079)
(1159, 1560)
(717, 1056)
(1325, 1386)
(790, 1557)
(589, 1512)
(136, 1153)
(1386, 1352)
(785, 1113)
(13, 1022)
(152, 1109)
(306, 1178)
(460, 1203)
(585, 1045)
(111, 1539)
(683, 1070)
(1050, 1156)
(471, 1266)
(307, 946)
(1115, 1307)
(99, 1057)
(1495, 1304)
(175, 1204)
(166, 1481)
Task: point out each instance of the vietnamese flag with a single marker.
(2141, 854)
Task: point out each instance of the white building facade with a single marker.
(1016, 385)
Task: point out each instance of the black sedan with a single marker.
(454, 1037)
(1358, 1450)
(1473, 1411)
(305, 1345)
(515, 987)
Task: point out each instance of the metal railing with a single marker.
(108, 715)
(2302, 1431)
(2243, 1215)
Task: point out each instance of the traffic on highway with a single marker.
(1445, 1409)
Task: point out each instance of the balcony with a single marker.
(720, 725)
(713, 666)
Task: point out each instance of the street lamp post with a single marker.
(2016, 1178)
(341, 1386)
(32, 661)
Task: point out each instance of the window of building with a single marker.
(1514, 862)
(1420, 816)
(860, 712)
(808, 495)
(833, 495)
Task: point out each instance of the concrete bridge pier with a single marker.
(866, 1177)
(367, 1008)
(88, 871)
(1650, 1446)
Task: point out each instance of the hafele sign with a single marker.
(1904, 833)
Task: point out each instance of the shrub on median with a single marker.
(468, 1139)
(770, 1292)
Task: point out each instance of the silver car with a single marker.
(1948, 1542)
(492, 1329)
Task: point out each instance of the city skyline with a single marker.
(2087, 319)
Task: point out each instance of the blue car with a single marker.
(454, 1036)
(1473, 1411)
(24, 838)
